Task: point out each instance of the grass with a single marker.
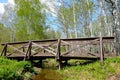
(13, 70)
(93, 71)
(80, 70)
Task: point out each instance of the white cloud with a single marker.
(11, 2)
(51, 5)
(2, 8)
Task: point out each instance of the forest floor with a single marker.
(76, 70)
(81, 70)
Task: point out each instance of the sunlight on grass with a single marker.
(93, 71)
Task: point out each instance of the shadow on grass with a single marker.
(50, 64)
(80, 63)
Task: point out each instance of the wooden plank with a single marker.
(79, 46)
(101, 50)
(48, 45)
(28, 53)
(20, 48)
(58, 58)
(93, 54)
(16, 49)
(44, 48)
(80, 57)
(51, 49)
(4, 50)
(52, 40)
(58, 50)
(65, 42)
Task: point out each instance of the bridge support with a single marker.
(4, 51)
(66, 62)
(60, 64)
(40, 63)
(101, 51)
(58, 57)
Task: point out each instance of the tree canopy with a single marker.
(37, 19)
(30, 20)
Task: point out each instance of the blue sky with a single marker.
(3, 1)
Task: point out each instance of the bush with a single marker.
(13, 70)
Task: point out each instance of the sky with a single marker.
(3, 2)
(1, 8)
(50, 3)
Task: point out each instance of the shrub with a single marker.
(13, 70)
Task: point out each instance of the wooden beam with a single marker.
(44, 48)
(16, 49)
(79, 46)
(52, 40)
(28, 53)
(58, 57)
(101, 50)
(3, 50)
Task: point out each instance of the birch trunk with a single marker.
(90, 21)
(64, 23)
(115, 5)
(74, 19)
(116, 14)
(107, 32)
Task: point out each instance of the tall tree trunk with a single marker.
(115, 5)
(90, 20)
(116, 14)
(107, 32)
(74, 19)
(64, 22)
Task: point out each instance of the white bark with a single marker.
(74, 19)
(90, 23)
(115, 5)
(107, 28)
(63, 20)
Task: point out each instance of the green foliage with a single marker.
(4, 33)
(75, 15)
(93, 71)
(12, 70)
(30, 20)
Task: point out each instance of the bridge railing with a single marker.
(94, 47)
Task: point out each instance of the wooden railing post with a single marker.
(4, 51)
(58, 57)
(28, 53)
(101, 50)
(23, 49)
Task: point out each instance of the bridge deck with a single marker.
(39, 57)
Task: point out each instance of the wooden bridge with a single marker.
(61, 49)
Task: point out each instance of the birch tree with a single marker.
(30, 20)
(74, 19)
(8, 20)
(115, 11)
(89, 6)
(101, 3)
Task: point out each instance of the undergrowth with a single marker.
(93, 71)
(14, 70)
